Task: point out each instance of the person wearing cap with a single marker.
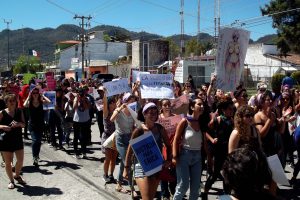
(148, 184)
(288, 80)
(253, 101)
(124, 124)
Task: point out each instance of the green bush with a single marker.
(276, 82)
(296, 77)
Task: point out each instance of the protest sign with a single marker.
(134, 115)
(15, 90)
(99, 104)
(136, 75)
(133, 106)
(231, 53)
(178, 102)
(51, 95)
(278, 174)
(116, 87)
(156, 86)
(170, 124)
(147, 153)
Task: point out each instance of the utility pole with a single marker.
(82, 37)
(8, 53)
(217, 19)
(182, 28)
(198, 33)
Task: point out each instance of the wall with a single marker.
(158, 52)
(259, 64)
(95, 49)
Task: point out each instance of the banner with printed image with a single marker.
(231, 53)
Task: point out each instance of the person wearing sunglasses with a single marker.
(244, 131)
(36, 124)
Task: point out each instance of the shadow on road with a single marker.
(34, 169)
(59, 164)
(31, 190)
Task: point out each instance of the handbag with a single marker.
(166, 175)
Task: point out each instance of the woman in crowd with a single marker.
(81, 122)
(177, 89)
(240, 97)
(68, 119)
(266, 124)
(188, 158)
(56, 119)
(187, 89)
(167, 188)
(223, 126)
(109, 105)
(287, 112)
(11, 124)
(22, 97)
(243, 172)
(124, 124)
(148, 184)
(34, 103)
(244, 132)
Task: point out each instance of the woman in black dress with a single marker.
(11, 124)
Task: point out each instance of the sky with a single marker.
(154, 16)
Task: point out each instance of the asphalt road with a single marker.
(60, 176)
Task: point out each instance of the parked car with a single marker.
(103, 77)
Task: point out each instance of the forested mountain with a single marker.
(44, 40)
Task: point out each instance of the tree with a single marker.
(174, 49)
(287, 23)
(27, 64)
(192, 46)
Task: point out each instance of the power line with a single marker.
(67, 10)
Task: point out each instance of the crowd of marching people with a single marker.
(229, 134)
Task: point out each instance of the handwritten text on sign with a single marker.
(156, 86)
(147, 153)
(170, 124)
(116, 87)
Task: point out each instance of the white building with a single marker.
(263, 61)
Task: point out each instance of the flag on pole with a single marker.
(33, 53)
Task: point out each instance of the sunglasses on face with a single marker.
(286, 99)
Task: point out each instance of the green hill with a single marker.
(44, 40)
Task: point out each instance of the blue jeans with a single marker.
(188, 169)
(36, 138)
(122, 142)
